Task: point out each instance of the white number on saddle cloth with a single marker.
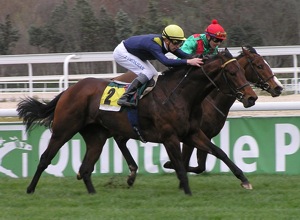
(110, 97)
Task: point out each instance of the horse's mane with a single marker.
(221, 53)
(249, 48)
(174, 69)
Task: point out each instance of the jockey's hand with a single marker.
(195, 62)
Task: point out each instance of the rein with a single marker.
(220, 111)
(238, 94)
(189, 70)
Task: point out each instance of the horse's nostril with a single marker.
(252, 100)
(278, 89)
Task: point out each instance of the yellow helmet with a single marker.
(173, 32)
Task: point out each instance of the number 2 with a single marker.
(110, 93)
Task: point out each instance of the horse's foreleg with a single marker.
(54, 145)
(133, 167)
(173, 149)
(219, 153)
(202, 142)
(95, 139)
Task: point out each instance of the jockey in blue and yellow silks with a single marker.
(135, 52)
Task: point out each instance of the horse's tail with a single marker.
(31, 110)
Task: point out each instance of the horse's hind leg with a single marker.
(56, 142)
(201, 160)
(129, 159)
(95, 138)
(186, 155)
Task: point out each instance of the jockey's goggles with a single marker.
(216, 40)
(219, 35)
(177, 42)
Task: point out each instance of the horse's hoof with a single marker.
(79, 176)
(246, 185)
(196, 170)
(168, 165)
(188, 192)
(130, 180)
(29, 191)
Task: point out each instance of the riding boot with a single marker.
(125, 99)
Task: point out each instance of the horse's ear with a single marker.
(243, 49)
(206, 57)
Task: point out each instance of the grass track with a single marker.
(152, 197)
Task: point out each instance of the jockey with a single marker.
(135, 52)
(207, 43)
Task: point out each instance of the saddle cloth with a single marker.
(116, 89)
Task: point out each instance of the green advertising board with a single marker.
(256, 145)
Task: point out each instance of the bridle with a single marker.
(236, 91)
(261, 83)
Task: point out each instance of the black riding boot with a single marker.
(125, 99)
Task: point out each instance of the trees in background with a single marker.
(85, 25)
(79, 29)
(8, 36)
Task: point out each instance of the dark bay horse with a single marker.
(215, 107)
(164, 115)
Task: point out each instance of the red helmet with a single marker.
(215, 30)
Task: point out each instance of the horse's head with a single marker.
(258, 71)
(232, 80)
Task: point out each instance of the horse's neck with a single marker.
(219, 101)
(242, 60)
(187, 91)
(191, 90)
(245, 64)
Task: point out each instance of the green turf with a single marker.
(152, 197)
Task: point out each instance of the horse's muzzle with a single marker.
(249, 102)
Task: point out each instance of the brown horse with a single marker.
(215, 107)
(163, 115)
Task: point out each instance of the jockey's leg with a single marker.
(136, 83)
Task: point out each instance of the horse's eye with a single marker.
(232, 73)
(260, 67)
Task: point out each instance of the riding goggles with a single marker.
(220, 35)
(177, 42)
(216, 40)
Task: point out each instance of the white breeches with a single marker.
(133, 63)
